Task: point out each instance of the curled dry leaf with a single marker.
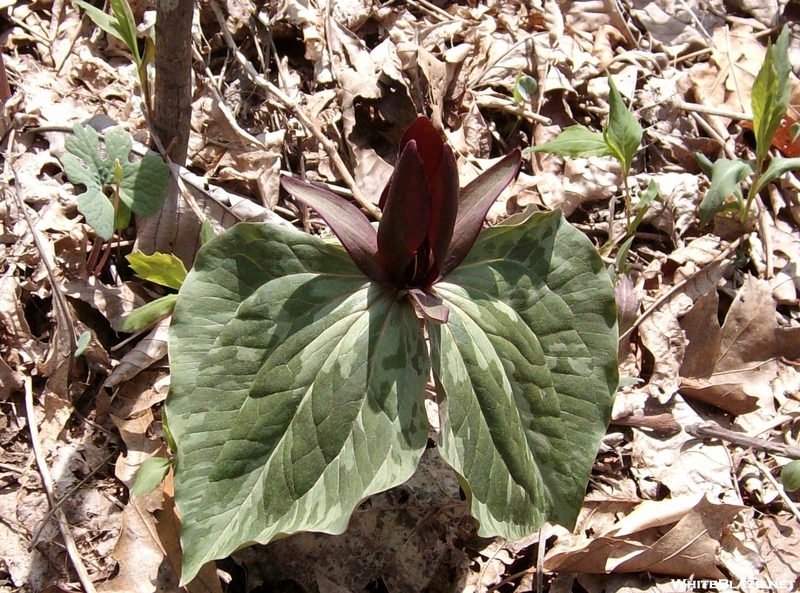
(690, 548)
(147, 352)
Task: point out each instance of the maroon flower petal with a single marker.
(476, 199)
(444, 211)
(404, 223)
(346, 221)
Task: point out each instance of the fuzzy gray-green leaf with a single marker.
(527, 368)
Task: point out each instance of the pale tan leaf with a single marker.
(168, 524)
(147, 352)
(139, 552)
(689, 548)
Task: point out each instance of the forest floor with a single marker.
(710, 315)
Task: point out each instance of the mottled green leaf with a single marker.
(142, 188)
(151, 473)
(726, 175)
(623, 134)
(297, 391)
(527, 369)
(162, 268)
(98, 211)
(575, 141)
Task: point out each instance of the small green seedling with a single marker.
(620, 138)
(161, 268)
(790, 475)
(122, 25)
(115, 186)
(525, 88)
(769, 101)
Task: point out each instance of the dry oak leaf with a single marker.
(678, 537)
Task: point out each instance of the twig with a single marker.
(777, 485)
(708, 110)
(55, 508)
(540, 557)
(59, 301)
(711, 430)
(288, 103)
(47, 482)
(675, 289)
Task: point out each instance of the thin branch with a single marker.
(47, 482)
(777, 485)
(711, 430)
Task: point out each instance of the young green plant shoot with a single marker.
(299, 366)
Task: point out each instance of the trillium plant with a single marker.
(299, 366)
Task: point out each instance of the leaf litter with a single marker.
(716, 335)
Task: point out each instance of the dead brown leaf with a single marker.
(673, 537)
(146, 353)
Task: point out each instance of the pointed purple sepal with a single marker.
(476, 199)
(404, 223)
(345, 220)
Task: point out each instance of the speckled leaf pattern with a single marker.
(297, 391)
(526, 368)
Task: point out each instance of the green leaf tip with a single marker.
(623, 134)
(150, 475)
(165, 269)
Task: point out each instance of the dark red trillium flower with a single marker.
(427, 226)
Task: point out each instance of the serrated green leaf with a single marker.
(527, 369)
(575, 141)
(297, 390)
(162, 268)
(771, 93)
(151, 473)
(725, 178)
(623, 134)
(149, 314)
(777, 167)
(790, 476)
